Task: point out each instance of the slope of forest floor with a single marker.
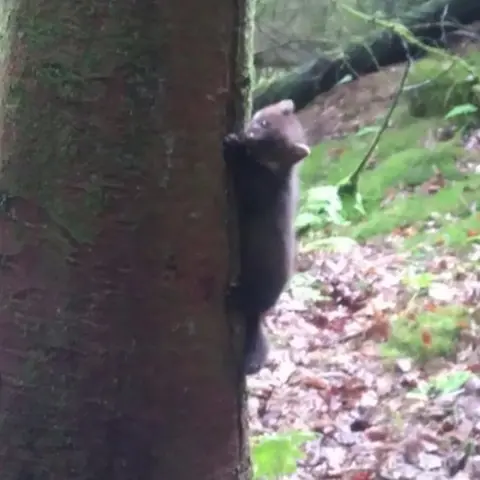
(375, 344)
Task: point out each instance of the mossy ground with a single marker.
(406, 158)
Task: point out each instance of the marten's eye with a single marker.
(264, 123)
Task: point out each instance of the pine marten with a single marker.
(264, 158)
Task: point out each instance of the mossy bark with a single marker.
(116, 353)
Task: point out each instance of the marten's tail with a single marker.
(256, 345)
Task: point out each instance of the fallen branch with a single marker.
(425, 26)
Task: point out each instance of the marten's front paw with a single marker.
(232, 147)
(231, 139)
(233, 297)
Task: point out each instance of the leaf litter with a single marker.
(375, 417)
(415, 414)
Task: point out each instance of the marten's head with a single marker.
(276, 136)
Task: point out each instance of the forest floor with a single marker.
(375, 343)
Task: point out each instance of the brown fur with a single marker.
(264, 160)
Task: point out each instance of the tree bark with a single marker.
(116, 356)
(427, 23)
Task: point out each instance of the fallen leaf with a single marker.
(377, 434)
(362, 476)
(315, 382)
(426, 338)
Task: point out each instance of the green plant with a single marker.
(348, 187)
(425, 334)
(322, 205)
(463, 115)
(461, 110)
(304, 286)
(368, 130)
(418, 282)
(339, 202)
(442, 384)
(277, 454)
(332, 244)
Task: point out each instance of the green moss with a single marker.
(333, 160)
(408, 156)
(458, 234)
(442, 85)
(402, 163)
(411, 209)
(408, 168)
(426, 335)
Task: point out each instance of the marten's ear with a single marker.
(287, 106)
(300, 151)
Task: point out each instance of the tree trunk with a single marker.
(116, 356)
(427, 22)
